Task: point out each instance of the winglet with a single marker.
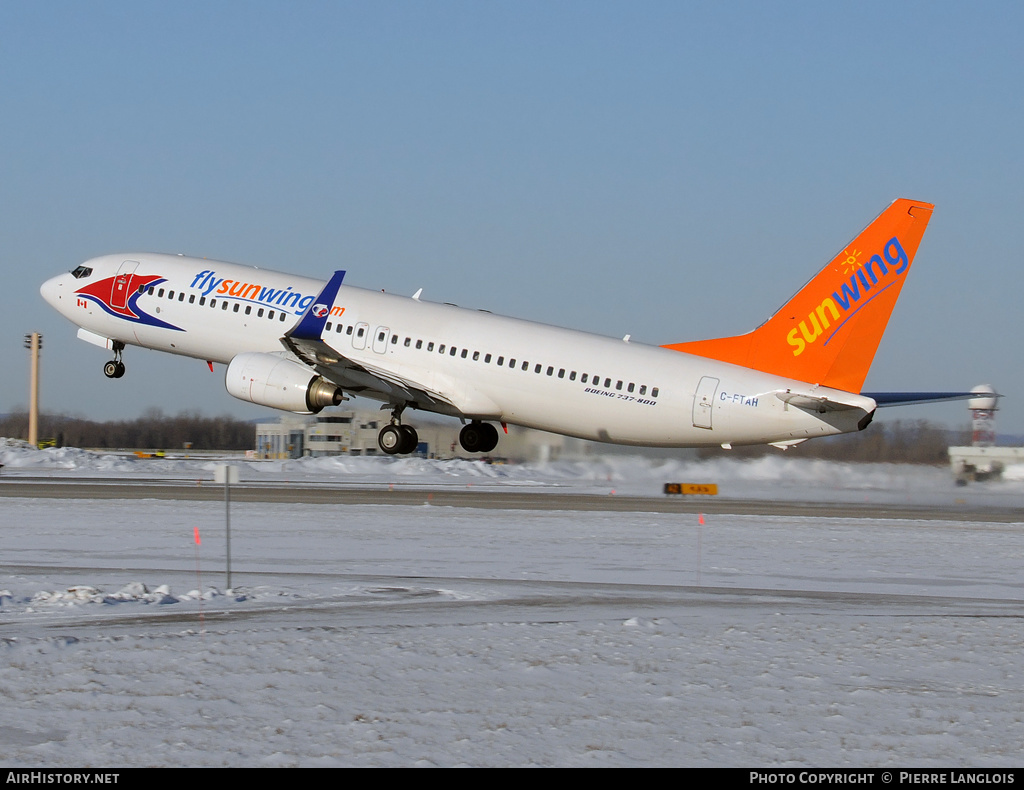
(311, 325)
(829, 331)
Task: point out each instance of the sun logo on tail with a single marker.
(850, 263)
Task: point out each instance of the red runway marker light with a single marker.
(195, 530)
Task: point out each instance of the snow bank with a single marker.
(772, 477)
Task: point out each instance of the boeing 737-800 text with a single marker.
(299, 345)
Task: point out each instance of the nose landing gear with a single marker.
(115, 368)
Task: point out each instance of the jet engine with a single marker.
(279, 382)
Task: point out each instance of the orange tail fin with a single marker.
(829, 331)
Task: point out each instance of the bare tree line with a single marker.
(152, 431)
(899, 441)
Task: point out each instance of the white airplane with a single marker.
(299, 345)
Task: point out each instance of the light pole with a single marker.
(33, 342)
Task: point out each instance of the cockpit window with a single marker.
(80, 272)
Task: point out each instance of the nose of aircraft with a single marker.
(53, 289)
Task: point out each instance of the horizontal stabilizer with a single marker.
(820, 404)
(909, 398)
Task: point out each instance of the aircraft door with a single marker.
(380, 339)
(359, 336)
(703, 401)
(122, 284)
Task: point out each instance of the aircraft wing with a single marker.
(305, 341)
(359, 377)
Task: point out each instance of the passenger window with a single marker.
(526, 365)
(181, 297)
(430, 346)
(259, 313)
(328, 326)
(419, 344)
(630, 387)
(283, 316)
(537, 369)
(235, 308)
(150, 291)
(476, 356)
(202, 301)
(192, 299)
(511, 363)
(572, 376)
(349, 331)
(394, 340)
(160, 293)
(654, 392)
(270, 315)
(643, 389)
(213, 303)
(248, 309)
(618, 385)
(583, 378)
(453, 351)
(408, 342)
(224, 305)
(170, 294)
(465, 353)
(607, 383)
(550, 370)
(487, 358)
(440, 349)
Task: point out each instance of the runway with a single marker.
(486, 497)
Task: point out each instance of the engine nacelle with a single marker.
(279, 382)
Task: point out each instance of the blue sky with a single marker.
(670, 170)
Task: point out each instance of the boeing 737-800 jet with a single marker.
(299, 345)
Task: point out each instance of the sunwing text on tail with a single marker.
(300, 345)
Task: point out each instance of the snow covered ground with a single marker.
(382, 635)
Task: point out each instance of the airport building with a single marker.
(336, 432)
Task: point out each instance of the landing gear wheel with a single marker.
(478, 437)
(390, 439)
(113, 369)
(398, 439)
(488, 437)
(410, 439)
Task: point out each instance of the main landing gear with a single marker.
(478, 437)
(115, 368)
(395, 438)
(398, 439)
